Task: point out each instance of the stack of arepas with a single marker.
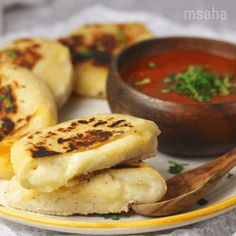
(36, 77)
(84, 166)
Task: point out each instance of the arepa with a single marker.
(47, 59)
(110, 191)
(26, 105)
(92, 48)
(51, 158)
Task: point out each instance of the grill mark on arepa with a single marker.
(32, 135)
(100, 122)
(61, 140)
(22, 122)
(7, 127)
(42, 152)
(7, 108)
(9, 123)
(73, 42)
(125, 166)
(92, 138)
(26, 57)
(86, 121)
(100, 51)
(116, 123)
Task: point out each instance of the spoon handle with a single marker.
(217, 168)
(208, 172)
(186, 189)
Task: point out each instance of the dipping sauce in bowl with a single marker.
(166, 76)
(186, 85)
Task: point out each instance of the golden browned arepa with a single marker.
(47, 59)
(26, 105)
(51, 158)
(109, 191)
(92, 48)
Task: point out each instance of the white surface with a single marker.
(224, 225)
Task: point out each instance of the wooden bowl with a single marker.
(187, 129)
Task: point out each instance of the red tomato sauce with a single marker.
(173, 62)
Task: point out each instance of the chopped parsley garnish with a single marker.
(9, 103)
(199, 84)
(12, 53)
(86, 53)
(144, 81)
(202, 202)
(176, 168)
(169, 79)
(6, 97)
(229, 175)
(165, 90)
(152, 64)
(113, 216)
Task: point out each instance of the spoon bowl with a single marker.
(186, 189)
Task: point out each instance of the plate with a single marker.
(221, 199)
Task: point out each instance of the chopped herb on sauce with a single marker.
(176, 168)
(229, 175)
(199, 84)
(86, 53)
(152, 64)
(11, 53)
(144, 81)
(202, 202)
(169, 79)
(165, 90)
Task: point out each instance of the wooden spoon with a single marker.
(186, 189)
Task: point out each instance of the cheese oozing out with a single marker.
(110, 191)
